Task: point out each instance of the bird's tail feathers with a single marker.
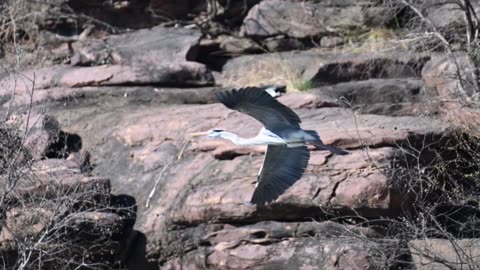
(320, 145)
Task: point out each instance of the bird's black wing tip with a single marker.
(260, 200)
(233, 97)
(226, 98)
(259, 203)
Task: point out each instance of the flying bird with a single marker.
(287, 154)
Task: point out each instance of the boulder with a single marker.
(463, 117)
(306, 245)
(154, 46)
(56, 209)
(314, 68)
(234, 45)
(110, 15)
(392, 97)
(25, 222)
(439, 254)
(309, 19)
(451, 75)
(165, 56)
(181, 184)
(330, 184)
(126, 132)
(53, 211)
(280, 44)
(123, 94)
(48, 140)
(446, 15)
(331, 42)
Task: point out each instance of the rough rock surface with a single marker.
(190, 193)
(124, 115)
(58, 208)
(321, 68)
(186, 189)
(393, 97)
(441, 254)
(162, 58)
(307, 245)
(189, 183)
(445, 14)
(130, 95)
(123, 14)
(453, 76)
(307, 19)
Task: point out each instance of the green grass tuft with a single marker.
(304, 85)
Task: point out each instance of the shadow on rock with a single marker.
(64, 145)
(136, 257)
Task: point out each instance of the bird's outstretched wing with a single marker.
(282, 167)
(260, 105)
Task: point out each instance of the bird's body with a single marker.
(287, 154)
(263, 137)
(292, 138)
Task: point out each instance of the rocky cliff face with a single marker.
(122, 107)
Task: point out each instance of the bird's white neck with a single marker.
(239, 140)
(260, 139)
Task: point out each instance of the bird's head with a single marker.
(213, 133)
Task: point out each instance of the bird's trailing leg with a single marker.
(320, 145)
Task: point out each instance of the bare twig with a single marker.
(429, 23)
(152, 192)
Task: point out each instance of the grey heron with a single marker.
(287, 154)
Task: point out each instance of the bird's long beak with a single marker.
(196, 134)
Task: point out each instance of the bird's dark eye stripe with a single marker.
(217, 130)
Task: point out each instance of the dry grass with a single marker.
(265, 71)
(20, 34)
(371, 40)
(277, 70)
(463, 117)
(17, 21)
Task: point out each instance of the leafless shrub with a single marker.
(54, 220)
(438, 177)
(51, 217)
(449, 26)
(34, 28)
